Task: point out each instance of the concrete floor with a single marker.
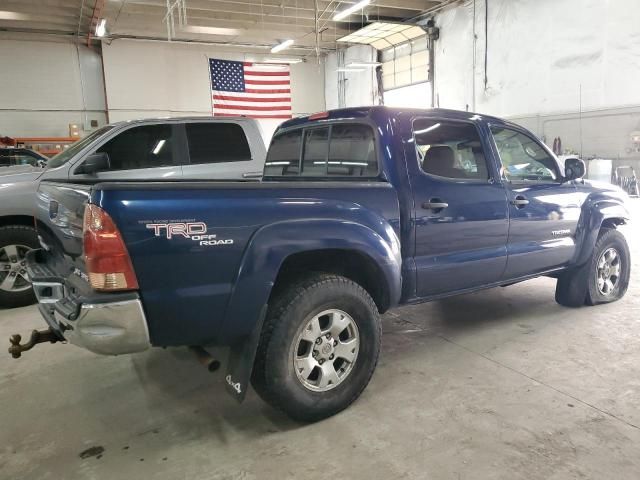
(502, 384)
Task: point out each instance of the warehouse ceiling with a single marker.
(236, 22)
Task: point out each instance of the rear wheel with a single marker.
(15, 288)
(319, 347)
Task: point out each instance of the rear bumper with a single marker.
(106, 328)
(108, 324)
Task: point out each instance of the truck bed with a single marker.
(191, 242)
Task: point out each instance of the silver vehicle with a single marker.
(179, 148)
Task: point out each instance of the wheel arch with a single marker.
(352, 264)
(276, 252)
(596, 216)
(23, 220)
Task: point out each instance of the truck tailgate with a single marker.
(108, 323)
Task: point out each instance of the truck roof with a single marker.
(201, 118)
(361, 112)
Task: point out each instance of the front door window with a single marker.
(523, 159)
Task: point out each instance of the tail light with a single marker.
(105, 255)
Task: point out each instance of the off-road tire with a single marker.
(17, 235)
(578, 286)
(610, 238)
(274, 377)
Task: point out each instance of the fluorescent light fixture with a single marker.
(6, 15)
(101, 28)
(281, 46)
(345, 69)
(363, 64)
(212, 30)
(159, 146)
(282, 60)
(381, 35)
(357, 6)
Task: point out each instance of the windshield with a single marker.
(65, 155)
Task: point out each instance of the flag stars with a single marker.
(227, 75)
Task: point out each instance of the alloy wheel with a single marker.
(608, 271)
(326, 350)
(13, 268)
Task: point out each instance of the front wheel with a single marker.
(602, 279)
(319, 347)
(610, 269)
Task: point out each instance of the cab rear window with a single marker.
(335, 150)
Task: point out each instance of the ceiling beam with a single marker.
(212, 5)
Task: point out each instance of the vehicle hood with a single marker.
(597, 185)
(11, 175)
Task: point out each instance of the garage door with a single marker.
(406, 76)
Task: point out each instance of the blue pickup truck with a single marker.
(359, 210)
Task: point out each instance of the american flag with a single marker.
(257, 90)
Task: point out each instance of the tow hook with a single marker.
(37, 336)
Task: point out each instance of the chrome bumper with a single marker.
(111, 328)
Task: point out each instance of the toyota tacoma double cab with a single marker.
(359, 210)
(161, 148)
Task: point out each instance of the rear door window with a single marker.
(147, 146)
(450, 149)
(217, 143)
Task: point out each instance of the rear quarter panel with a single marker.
(187, 287)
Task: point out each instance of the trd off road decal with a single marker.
(195, 231)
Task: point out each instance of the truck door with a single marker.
(460, 209)
(543, 210)
(142, 152)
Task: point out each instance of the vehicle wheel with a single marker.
(610, 268)
(604, 278)
(15, 288)
(319, 347)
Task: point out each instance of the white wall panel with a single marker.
(147, 79)
(360, 88)
(547, 61)
(45, 86)
(539, 55)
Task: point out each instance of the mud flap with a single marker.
(241, 358)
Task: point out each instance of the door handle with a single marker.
(435, 204)
(520, 201)
(252, 175)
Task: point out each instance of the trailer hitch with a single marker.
(37, 336)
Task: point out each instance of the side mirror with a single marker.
(574, 168)
(96, 162)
